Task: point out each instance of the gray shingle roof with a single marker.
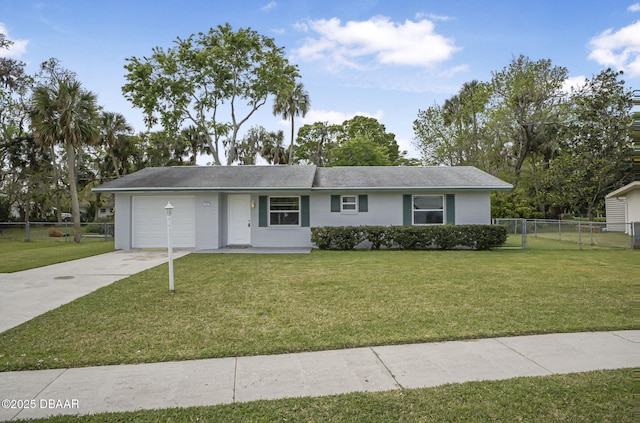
(406, 177)
(214, 178)
(259, 178)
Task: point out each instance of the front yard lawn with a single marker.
(20, 255)
(234, 305)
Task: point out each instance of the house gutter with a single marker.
(323, 189)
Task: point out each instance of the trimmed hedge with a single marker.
(446, 237)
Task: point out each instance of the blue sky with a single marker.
(376, 58)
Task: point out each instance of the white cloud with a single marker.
(573, 83)
(355, 44)
(433, 17)
(269, 6)
(336, 118)
(620, 49)
(634, 7)
(17, 49)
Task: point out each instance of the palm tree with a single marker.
(291, 103)
(66, 114)
(272, 149)
(196, 141)
(112, 126)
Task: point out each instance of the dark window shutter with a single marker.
(363, 203)
(335, 203)
(262, 211)
(304, 210)
(407, 207)
(451, 209)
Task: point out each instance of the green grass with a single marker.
(603, 396)
(236, 305)
(20, 255)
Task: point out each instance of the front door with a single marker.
(239, 212)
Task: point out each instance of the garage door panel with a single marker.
(150, 222)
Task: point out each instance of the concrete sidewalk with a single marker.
(227, 380)
(30, 293)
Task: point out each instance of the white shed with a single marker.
(623, 207)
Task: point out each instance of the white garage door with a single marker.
(150, 222)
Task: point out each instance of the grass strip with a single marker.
(601, 396)
(20, 255)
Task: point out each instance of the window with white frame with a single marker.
(349, 203)
(284, 211)
(428, 210)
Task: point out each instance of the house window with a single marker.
(284, 211)
(349, 203)
(428, 210)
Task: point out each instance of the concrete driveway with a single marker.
(30, 293)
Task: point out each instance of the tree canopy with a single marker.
(360, 141)
(213, 81)
(563, 151)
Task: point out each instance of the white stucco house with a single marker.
(623, 207)
(275, 206)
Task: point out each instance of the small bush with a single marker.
(96, 228)
(447, 237)
(54, 233)
(337, 237)
(378, 236)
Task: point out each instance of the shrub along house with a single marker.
(275, 206)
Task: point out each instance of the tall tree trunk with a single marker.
(97, 212)
(291, 145)
(115, 163)
(73, 187)
(56, 184)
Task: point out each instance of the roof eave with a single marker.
(229, 189)
(417, 188)
(197, 189)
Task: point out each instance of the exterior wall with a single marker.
(383, 208)
(616, 211)
(473, 208)
(633, 205)
(273, 236)
(386, 209)
(122, 222)
(207, 221)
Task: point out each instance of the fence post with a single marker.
(524, 233)
(559, 230)
(26, 232)
(579, 235)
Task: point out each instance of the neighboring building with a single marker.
(275, 206)
(106, 211)
(623, 207)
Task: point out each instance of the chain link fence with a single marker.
(576, 233)
(54, 231)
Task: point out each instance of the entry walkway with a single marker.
(221, 381)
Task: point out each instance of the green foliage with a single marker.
(360, 152)
(445, 237)
(205, 75)
(338, 237)
(513, 204)
(62, 112)
(562, 151)
(596, 155)
(360, 141)
(291, 102)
